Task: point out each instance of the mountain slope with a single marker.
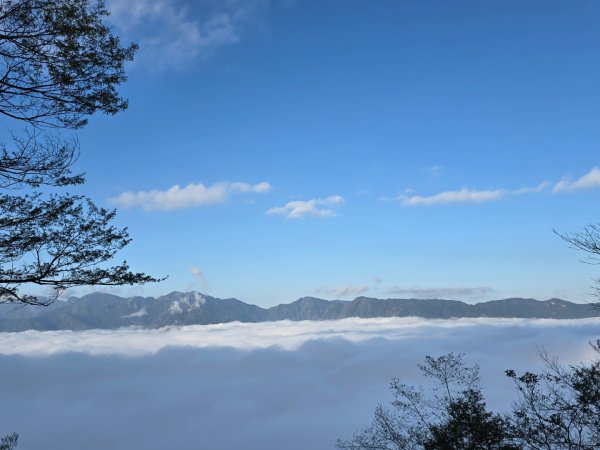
(106, 311)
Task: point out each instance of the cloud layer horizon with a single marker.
(293, 385)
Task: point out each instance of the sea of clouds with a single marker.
(274, 385)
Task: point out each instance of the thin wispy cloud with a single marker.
(462, 196)
(193, 195)
(590, 180)
(434, 171)
(199, 275)
(532, 189)
(447, 293)
(316, 207)
(172, 33)
(343, 291)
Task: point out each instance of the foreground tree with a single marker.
(470, 426)
(450, 415)
(588, 241)
(9, 442)
(559, 408)
(59, 64)
(556, 409)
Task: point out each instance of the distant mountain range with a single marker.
(108, 311)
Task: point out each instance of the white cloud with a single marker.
(434, 171)
(343, 291)
(189, 387)
(199, 275)
(167, 33)
(139, 313)
(466, 195)
(588, 181)
(316, 207)
(192, 195)
(463, 196)
(196, 272)
(172, 33)
(285, 334)
(531, 189)
(443, 292)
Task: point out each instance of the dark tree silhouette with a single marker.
(59, 242)
(588, 241)
(556, 409)
(9, 442)
(469, 426)
(450, 415)
(559, 408)
(59, 64)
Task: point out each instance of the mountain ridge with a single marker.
(109, 311)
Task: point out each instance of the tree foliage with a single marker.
(9, 442)
(60, 241)
(449, 415)
(556, 409)
(560, 407)
(59, 64)
(470, 426)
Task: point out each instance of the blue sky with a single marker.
(277, 149)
